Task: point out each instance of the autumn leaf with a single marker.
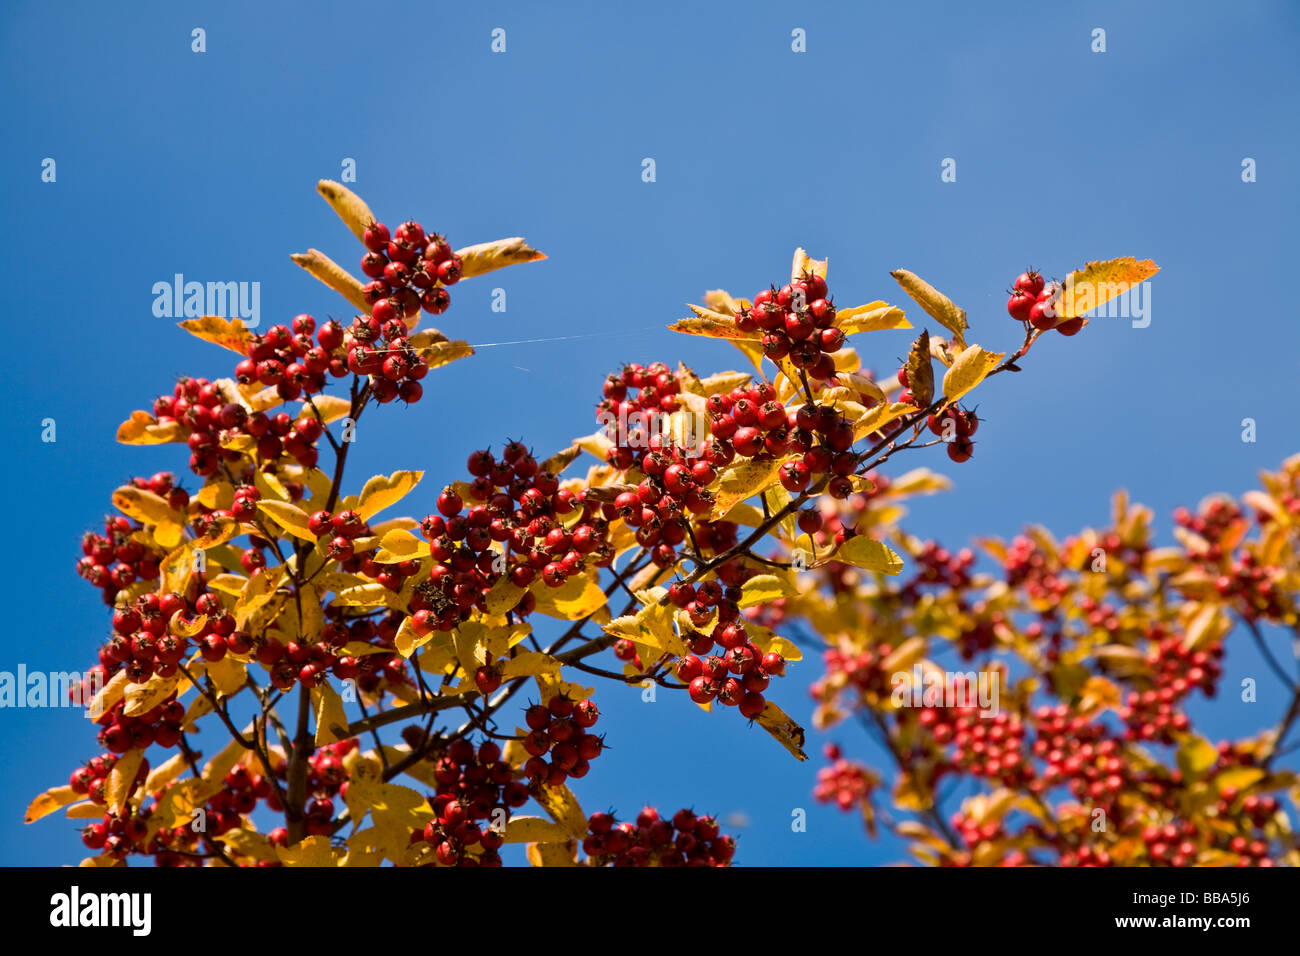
(872, 317)
(1195, 756)
(787, 732)
(488, 256)
(331, 721)
(803, 264)
(437, 350)
(712, 325)
(333, 275)
(920, 373)
(576, 598)
(228, 333)
(563, 808)
(535, 830)
(938, 305)
(143, 429)
(1098, 282)
(121, 777)
(862, 552)
(971, 367)
(289, 517)
(743, 481)
(765, 588)
(380, 491)
(313, 851)
(354, 213)
(49, 801)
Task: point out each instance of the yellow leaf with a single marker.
(249, 843)
(743, 481)
(713, 325)
(443, 353)
(971, 367)
(652, 625)
(333, 275)
(1207, 625)
(1099, 282)
(940, 307)
(1196, 756)
(145, 697)
(862, 552)
(153, 510)
(49, 801)
(562, 806)
(227, 675)
(762, 588)
(530, 664)
(143, 429)
(488, 256)
(120, 779)
(788, 733)
(165, 772)
(552, 854)
(400, 545)
(109, 695)
(906, 654)
(289, 517)
(879, 416)
(872, 317)
(803, 265)
(535, 830)
(503, 595)
(380, 491)
(354, 213)
(470, 639)
(86, 810)
(331, 721)
(330, 407)
(1238, 778)
(311, 851)
(228, 333)
(576, 598)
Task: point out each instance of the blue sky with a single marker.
(173, 161)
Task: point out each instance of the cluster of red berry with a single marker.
(1035, 301)
(1081, 754)
(115, 560)
(683, 840)
(797, 322)
(1175, 671)
(561, 728)
(473, 785)
(990, 747)
(408, 268)
(160, 725)
(758, 425)
(846, 783)
(286, 357)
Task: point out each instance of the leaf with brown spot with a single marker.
(786, 731)
(349, 206)
(920, 373)
(49, 801)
